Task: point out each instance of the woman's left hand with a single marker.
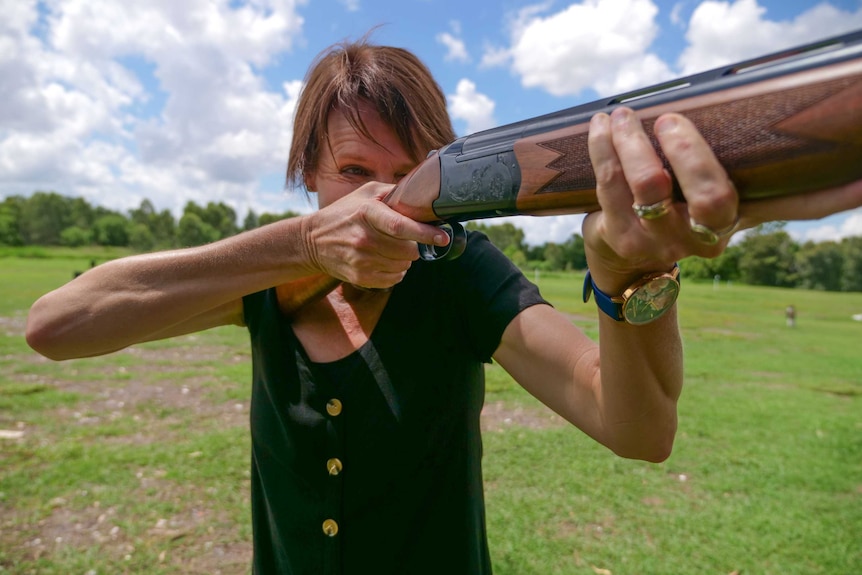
(622, 244)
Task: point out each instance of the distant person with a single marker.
(365, 409)
(790, 315)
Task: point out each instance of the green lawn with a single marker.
(138, 462)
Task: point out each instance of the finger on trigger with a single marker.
(400, 227)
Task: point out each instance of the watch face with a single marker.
(651, 300)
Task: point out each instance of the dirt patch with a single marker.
(197, 540)
(138, 403)
(196, 354)
(13, 326)
(500, 416)
(114, 395)
(148, 400)
(151, 397)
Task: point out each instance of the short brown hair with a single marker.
(393, 80)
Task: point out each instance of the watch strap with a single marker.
(605, 302)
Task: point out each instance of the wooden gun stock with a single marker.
(786, 123)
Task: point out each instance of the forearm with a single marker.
(150, 296)
(621, 391)
(638, 384)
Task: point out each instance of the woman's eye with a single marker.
(353, 171)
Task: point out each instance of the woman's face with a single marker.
(352, 160)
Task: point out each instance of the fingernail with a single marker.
(621, 115)
(441, 240)
(598, 119)
(666, 124)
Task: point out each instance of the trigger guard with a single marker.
(456, 246)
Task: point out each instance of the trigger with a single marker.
(456, 246)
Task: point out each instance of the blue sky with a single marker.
(121, 100)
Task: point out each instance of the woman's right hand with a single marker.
(360, 240)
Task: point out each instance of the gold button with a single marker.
(330, 528)
(334, 466)
(333, 407)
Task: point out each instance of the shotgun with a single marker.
(785, 123)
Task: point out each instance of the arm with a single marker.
(153, 296)
(624, 398)
(623, 392)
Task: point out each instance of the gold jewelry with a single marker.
(709, 236)
(653, 211)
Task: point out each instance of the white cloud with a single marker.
(350, 5)
(494, 56)
(455, 47)
(721, 33)
(72, 74)
(475, 108)
(251, 31)
(676, 14)
(609, 53)
(848, 226)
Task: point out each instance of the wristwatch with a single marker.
(644, 301)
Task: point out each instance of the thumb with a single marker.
(382, 191)
(373, 191)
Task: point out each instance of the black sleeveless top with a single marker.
(372, 464)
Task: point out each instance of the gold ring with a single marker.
(653, 211)
(710, 236)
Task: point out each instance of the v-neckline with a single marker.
(332, 330)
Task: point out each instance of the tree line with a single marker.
(767, 255)
(50, 219)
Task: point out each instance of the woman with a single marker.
(366, 403)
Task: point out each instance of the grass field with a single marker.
(139, 462)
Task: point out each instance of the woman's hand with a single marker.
(362, 241)
(623, 245)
